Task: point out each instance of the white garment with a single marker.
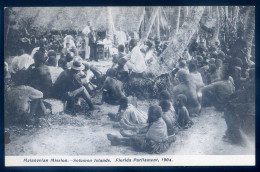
(132, 116)
(72, 44)
(121, 37)
(157, 131)
(137, 61)
(86, 30)
(197, 79)
(21, 63)
(89, 75)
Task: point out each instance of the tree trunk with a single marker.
(250, 29)
(111, 27)
(226, 11)
(157, 26)
(216, 28)
(178, 13)
(236, 16)
(178, 43)
(142, 20)
(185, 11)
(149, 25)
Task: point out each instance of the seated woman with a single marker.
(155, 140)
(129, 117)
(112, 88)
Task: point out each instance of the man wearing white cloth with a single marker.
(86, 31)
(136, 62)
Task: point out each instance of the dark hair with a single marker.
(154, 113)
(225, 72)
(165, 95)
(165, 105)
(192, 67)
(212, 48)
(182, 64)
(51, 53)
(39, 57)
(121, 48)
(218, 63)
(214, 55)
(132, 44)
(123, 102)
(199, 58)
(182, 99)
(182, 75)
(111, 72)
(121, 62)
(212, 68)
(70, 56)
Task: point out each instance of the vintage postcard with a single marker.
(129, 86)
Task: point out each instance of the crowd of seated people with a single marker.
(208, 77)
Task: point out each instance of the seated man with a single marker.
(52, 61)
(154, 140)
(195, 76)
(112, 88)
(39, 76)
(136, 62)
(189, 89)
(21, 104)
(65, 62)
(218, 93)
(116, 58)
(86, 76)
(122, 70)
(68, 86)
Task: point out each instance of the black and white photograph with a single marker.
(129, 81)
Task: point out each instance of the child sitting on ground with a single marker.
(168, 116)
(183, 118)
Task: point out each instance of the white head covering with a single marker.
(69, 39)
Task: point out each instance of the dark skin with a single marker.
(183, 115)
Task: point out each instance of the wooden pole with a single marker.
(149, 25)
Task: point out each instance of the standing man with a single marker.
(86, 31)
(92, 43)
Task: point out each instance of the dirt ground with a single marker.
(63, 134)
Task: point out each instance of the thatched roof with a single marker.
(76, 18)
